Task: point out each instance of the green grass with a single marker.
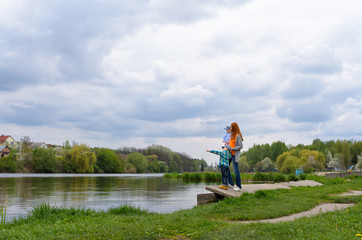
(2, 214)
(212, 221)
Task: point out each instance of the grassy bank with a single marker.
(213, 221)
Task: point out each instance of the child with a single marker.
(227, 135)
(224, 159)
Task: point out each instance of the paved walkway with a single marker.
(328, 207)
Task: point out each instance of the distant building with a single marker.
(38, 145)
(4, 151)
(7, 141)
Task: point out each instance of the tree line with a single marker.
(80, 158)
(320, 155)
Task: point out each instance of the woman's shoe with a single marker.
(236, 188)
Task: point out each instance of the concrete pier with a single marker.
(218, 193)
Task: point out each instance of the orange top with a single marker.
(232, 145)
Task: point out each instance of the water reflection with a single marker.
(21, 192)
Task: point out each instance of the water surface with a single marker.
(19, 193)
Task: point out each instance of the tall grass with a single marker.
(2, 214)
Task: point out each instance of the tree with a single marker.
(139, 161)
(8, 163)
(267, 165)
(108, 161)
(276, 149)
(306, 159)
(153, 163)
(45, 160)
(243, 165)
(203, 165)
(289, 165)
(83, 160)
(319, 146)
(359, 162)
(26, 153)
(173, 166)
(179, 163)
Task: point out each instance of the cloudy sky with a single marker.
(112, 73)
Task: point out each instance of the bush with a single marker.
(302, 176)
(195, 176)
(292, 177)
(167, 175)
(278, 177)
(8, 164)
(258, 176)
(212, 176)
(185, 176)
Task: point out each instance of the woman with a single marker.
(236, 144)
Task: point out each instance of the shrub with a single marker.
(195, 176)
(185, 176)
(302, 176)
(167, 175)
(278, 177)
(292, 177)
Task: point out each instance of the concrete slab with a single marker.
(314, 211)
(351, 193)
(302, 183)
(251, 188)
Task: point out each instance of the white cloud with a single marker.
(156, 71)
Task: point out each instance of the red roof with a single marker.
(3, 138)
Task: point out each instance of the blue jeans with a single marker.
(236, 171)
(224, 174)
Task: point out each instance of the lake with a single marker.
(19, 193)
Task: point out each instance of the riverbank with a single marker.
(212, 221)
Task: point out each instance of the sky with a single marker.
(115, 73)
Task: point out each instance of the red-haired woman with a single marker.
(236, 144)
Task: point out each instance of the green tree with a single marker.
(45, 160)
(8, 163)
(243, 165)
(276, 149)
(203, 165)
(83, 160)
(356, 149)
(163, 167)
(267, 165)
(306, 159)
(153, 163)
(179, 163)
(359, 162)
(173, 166)
(26, 154)
(139, 161)
(319, 146)
(108, 161)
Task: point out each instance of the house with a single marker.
(7, 141)
(38, 145)
(4, 151)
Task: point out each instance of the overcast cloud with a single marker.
(113, 73)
